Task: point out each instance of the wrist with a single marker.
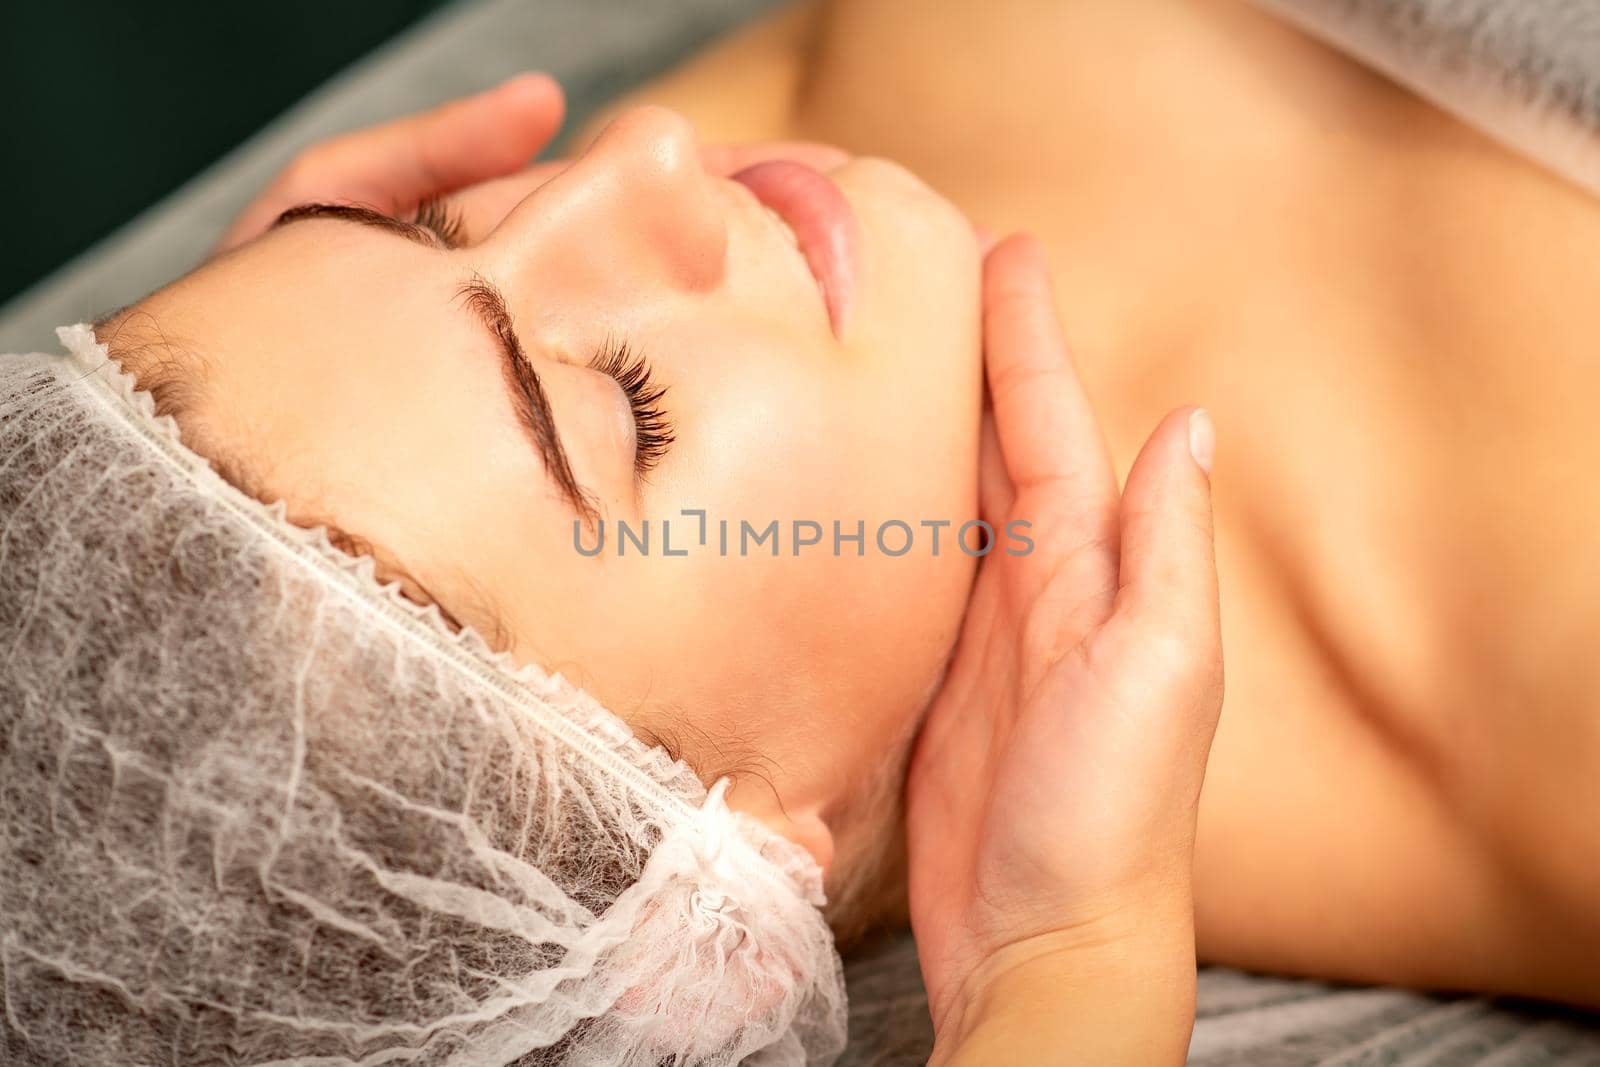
(1114, 991)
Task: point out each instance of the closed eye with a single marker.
(653, 431)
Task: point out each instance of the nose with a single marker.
(636, 208)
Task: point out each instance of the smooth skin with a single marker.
(1393, 316)
(1049, 928)
(341, 369)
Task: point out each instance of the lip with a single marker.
(822, 220)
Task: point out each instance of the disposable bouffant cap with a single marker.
(258, 807)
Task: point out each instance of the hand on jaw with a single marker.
(1053, 791)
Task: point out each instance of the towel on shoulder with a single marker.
(1524, 71)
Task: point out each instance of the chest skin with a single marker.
(1394, 324)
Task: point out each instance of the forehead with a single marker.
(330, 349)
(316, 295)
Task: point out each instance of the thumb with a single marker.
(1168, 571)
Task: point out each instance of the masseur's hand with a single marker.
(1053, 791)
(484, 141)
(395, 166)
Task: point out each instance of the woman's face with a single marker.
(361, 374)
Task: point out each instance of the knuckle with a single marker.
(1028, 376)
(1014, 296)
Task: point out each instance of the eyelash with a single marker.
(444, 220)
(652, 426)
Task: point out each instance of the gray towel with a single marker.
(1262, 1022)
(1524, 71)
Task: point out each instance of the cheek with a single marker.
(834, 632)
(757, 438)
(850, 449)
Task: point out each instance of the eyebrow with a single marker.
(528, 398)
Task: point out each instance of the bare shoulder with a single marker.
(742, 88)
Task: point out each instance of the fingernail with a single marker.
(1202, 438)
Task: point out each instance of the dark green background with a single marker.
(109, 106)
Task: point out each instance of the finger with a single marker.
(400, 163)
(1168, 580)
(1046, 427)
(456, 144)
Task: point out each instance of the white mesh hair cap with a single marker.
(258, 808)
